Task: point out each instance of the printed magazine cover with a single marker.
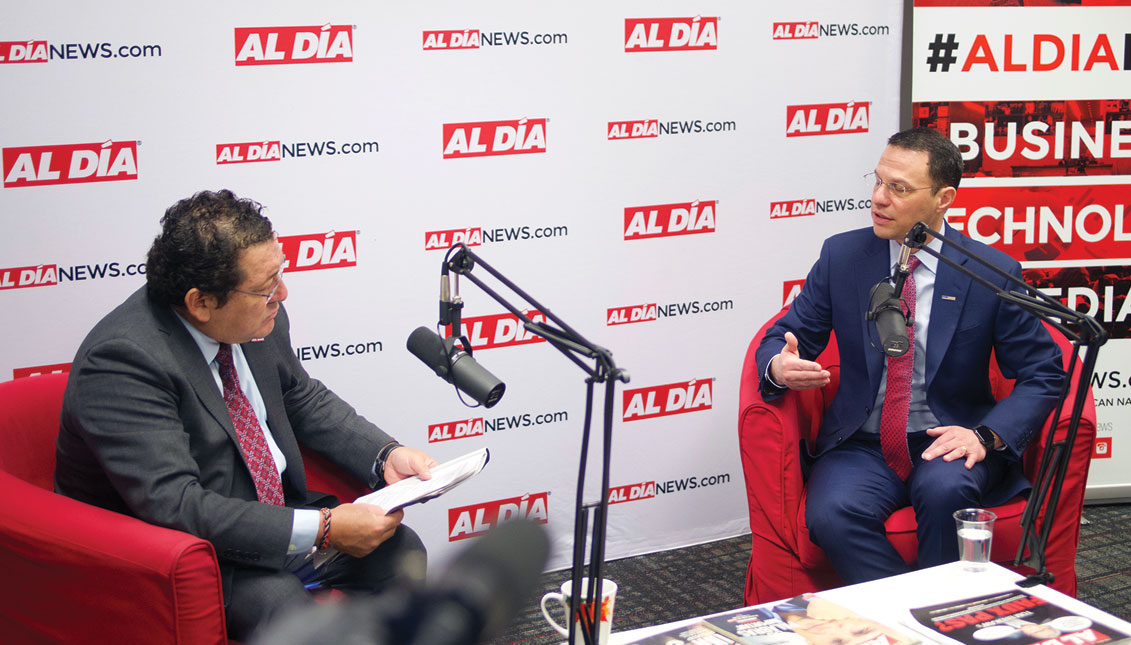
(1013, 618)
(697, 634)
(804, 620)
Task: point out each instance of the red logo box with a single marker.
(671, 34)
(293, 45)
(75, 163)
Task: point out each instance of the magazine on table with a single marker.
(807, 619)
(1014, 618)
(697, 634)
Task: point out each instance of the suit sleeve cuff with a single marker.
(770, 386)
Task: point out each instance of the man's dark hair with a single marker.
(944, 161)
(199, 246)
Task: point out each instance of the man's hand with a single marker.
(794, 372)
(405, 462)
(357, 529)
(955, 442)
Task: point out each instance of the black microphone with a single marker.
(485, 586)
(885, 307)
(473, 600)
(455, 366)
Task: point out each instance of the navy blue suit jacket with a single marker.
(967, 322)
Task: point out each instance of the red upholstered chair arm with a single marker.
(72, 569)
(768, 439)
(324, 476)
(770, 435)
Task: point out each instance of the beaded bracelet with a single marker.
(325, 528)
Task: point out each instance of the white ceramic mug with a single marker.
(608, 599)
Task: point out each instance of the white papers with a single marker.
(413, 490)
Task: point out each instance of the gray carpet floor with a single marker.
(693, 581)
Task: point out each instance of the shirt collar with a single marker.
(926, 259)
(208, 346)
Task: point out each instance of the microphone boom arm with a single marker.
(1033, 300)
(461, 260)
(1054, 458)
(566, 340)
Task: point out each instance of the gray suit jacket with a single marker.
(145, 431)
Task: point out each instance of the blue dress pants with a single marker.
(852, 491)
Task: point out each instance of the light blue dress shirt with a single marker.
(304, 527)
(919, 416)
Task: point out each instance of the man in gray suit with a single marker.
(186, 405)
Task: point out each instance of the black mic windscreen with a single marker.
(885, 310)
(876, 297)
(429, 348)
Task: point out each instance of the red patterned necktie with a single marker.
(897, 396)
(256, 454)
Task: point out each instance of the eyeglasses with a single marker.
(269, 294)
(894, 188)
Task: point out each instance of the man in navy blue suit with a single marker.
(962, 447)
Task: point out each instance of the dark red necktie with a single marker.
(897, 396)
(268, 486)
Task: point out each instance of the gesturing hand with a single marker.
(794, 372)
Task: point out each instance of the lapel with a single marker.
(199, 375)
(873, 264)
(945, 312)
(258, 355)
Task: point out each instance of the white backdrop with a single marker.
(765, 116)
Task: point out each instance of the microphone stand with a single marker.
(1085, 332)
(461, 260)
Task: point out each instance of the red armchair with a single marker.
(784, 563)
(78, 573)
